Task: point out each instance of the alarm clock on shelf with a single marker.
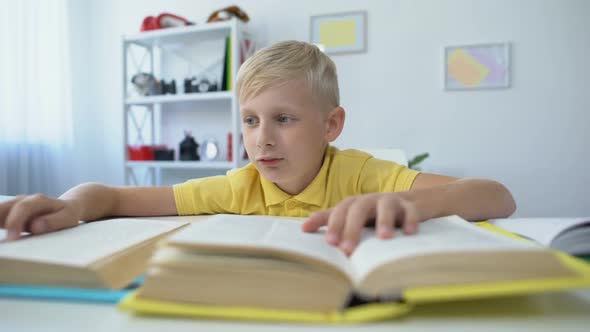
(209, 150)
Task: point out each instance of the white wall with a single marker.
(533, 137)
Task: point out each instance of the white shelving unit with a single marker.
(223, 165)
(159, 47)
(162, 99)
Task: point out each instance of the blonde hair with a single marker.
(287, 61)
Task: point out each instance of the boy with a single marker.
(289, 103)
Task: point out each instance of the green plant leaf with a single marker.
(417, 160)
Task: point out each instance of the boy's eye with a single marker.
(250, 121)
(284, 118)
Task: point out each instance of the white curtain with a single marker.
(36, 134)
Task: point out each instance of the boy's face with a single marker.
(285, 134)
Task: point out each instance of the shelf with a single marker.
(181, 35)
(182, 164)
(183, 97)
(166, 53)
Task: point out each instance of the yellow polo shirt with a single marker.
(244, 191)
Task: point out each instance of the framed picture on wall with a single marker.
(480, 66)
(340, 32)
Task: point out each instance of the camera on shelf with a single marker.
(191, 85)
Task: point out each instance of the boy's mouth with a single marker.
(269, 161)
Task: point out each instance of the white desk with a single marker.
(548, 312)
(566, 311)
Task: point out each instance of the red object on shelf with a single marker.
(164, 20)
(149, 23)
(229, 147)
(140, 152)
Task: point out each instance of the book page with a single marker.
(542, 230)
(276, 233)
(448, 234)
(84, 244)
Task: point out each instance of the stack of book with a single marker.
(91, 262)
(266, 268)
(255, 267)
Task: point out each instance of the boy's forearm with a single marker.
(92, 201)
(472, 199)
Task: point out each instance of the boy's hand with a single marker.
(346, 220)
(37, 214)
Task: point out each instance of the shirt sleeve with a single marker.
(209, 195)
(385, 176)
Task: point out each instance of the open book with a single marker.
(268, 262)
(103, 254)
(571, 235)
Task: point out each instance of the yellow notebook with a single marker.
(157, 296)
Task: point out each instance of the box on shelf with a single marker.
(140, 152)
(163, 153)
(150, 152)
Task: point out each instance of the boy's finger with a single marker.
(316, 220)
(51, 222)
(359, 213)
(5, 208)
(385, 221)
(24, 211)
(337, 220)
(410, 218)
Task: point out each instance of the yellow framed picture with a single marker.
(340, 32)
(477, 66)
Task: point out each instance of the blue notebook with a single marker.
(68, 294)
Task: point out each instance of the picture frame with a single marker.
(477, 66)
(339, 33)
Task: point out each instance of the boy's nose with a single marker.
(265, 137)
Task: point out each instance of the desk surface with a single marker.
(566, 311)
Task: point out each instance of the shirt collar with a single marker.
(313, 194)
(272, 194)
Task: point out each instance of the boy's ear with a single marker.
(335, 123)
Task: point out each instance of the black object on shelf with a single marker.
(169, 87)
(189, 148)
(163, 154)
(190, 84)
